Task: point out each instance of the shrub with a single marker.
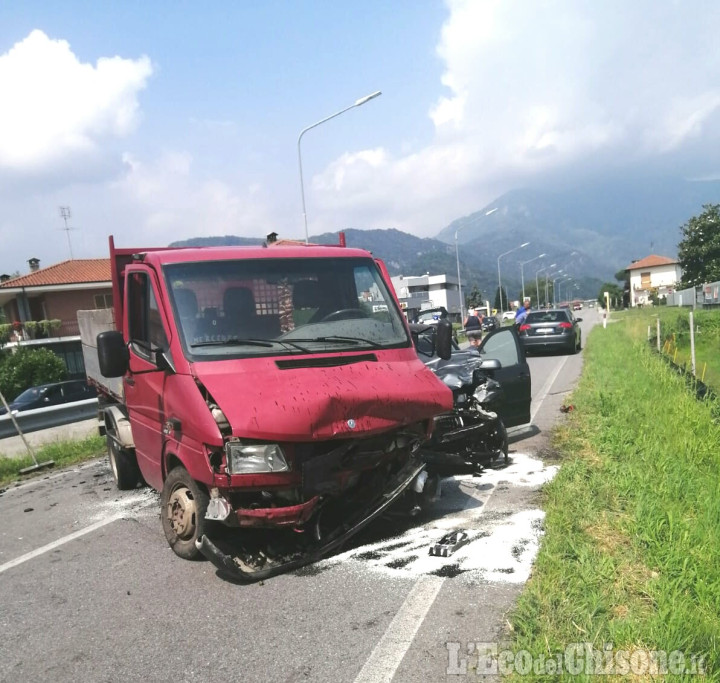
(27, 368)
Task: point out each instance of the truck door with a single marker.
(144, 383)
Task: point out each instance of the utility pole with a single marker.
(65, 214)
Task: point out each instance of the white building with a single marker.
(652, 273)
(418, 292)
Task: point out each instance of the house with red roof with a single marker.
(41, 307)
(652, 274)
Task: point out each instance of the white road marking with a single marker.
(56, 544)
(390, 650)
(546, 389)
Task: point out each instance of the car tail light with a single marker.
(565, 326)
(524, 328)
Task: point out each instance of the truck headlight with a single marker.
(255, 458)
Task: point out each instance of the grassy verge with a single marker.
(675, 337)
(62, 452)
(631, 554)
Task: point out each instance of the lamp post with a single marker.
(509, 251)
(560, 276)
(537, 283)
(565, 280)
(357, 103)
(547, 277)
(522, 274)
(457, 259)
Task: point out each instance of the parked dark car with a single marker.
(46, 395)
(556, 329)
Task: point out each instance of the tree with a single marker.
(699, 249)
(505, 300)
(615, 292)
(624, 277)
(474, 299)
(27, 368)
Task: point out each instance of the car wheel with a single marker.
(183, 504)
(497, 442)
(123, 465)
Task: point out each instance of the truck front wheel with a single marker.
(183, 505)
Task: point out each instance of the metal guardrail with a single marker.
(45, 418)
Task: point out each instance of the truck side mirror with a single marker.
(443, 338)
(113, 354)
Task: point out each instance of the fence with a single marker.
(705, 296)
(53, 416)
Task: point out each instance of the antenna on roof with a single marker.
(65, 213)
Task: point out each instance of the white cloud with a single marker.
(533, 88)
(56, 108)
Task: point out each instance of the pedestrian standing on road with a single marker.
(522, 312)
(473, 325)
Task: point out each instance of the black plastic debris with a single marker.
(449, 543)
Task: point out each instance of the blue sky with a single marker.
(157, 121)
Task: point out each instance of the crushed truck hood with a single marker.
(264, 401)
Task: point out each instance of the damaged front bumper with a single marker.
(238, 569)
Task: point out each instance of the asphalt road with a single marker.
(90, 590)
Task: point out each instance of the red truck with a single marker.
(273, 395)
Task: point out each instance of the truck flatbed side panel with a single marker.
(91, 323)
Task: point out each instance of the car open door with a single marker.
(514, 374)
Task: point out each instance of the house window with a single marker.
(645, 280)
(103, 301)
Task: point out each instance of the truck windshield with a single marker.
(270, 306)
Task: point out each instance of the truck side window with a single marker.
(145, 326)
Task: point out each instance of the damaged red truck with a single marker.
(273, 395)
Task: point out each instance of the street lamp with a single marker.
(560, 276)
(457, 259)
(547, 277)
(522, 275)
(357, 103)
(537, 283)
(510, 251)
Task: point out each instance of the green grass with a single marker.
(631, 553)
(675, 330)
(62, 453)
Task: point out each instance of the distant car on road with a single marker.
(550, 330)
(430, 316)
(490, 323)
(508, 315)
(54, 394)
(577, 306)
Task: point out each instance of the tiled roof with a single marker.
(65, 273)
(651, 261)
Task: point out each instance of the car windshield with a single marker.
(30, 395)
(270, 306)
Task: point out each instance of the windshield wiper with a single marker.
(345, 340)
(235, 342)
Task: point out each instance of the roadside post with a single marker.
(607, 309)
(692, 343)
(658, 334)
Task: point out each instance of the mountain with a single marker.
(590, 231)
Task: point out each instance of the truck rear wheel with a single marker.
(183, 504)
(123, 465)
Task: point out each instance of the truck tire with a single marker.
(183, 504)
(123, 465)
